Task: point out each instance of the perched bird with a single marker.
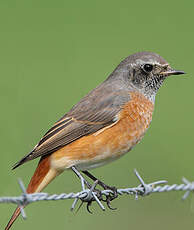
(102, 126)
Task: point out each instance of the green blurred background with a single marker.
(51, 54)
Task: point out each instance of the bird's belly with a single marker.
(109, 143)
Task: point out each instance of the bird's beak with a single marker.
(170, 71)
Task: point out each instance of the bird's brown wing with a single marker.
(87, 117)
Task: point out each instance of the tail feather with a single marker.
(13, 218)
(41, 178)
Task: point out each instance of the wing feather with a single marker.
(85, 118)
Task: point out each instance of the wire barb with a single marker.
(92, 194)
(190, 185)
(25, 199)
(147, 188)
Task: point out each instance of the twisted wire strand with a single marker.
(90, 195)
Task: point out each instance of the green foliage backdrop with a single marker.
(51, 54)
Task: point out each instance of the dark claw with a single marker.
(88, 207)
(111, 197)
(115, 194)
(109, 205)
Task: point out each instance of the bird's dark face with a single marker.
(149, 75)
(146, 72)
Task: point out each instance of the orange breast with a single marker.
(111, 142)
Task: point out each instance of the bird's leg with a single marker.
(83, 180)
(109, 197)
(89, 186)
(102, 184)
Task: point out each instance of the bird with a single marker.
(104, 125)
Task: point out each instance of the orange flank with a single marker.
(108, 144)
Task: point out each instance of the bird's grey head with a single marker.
(145, 72)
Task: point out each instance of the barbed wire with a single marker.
(92, 194)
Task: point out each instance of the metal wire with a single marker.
(90, 195)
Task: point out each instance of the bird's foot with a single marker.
(111, 196)
(106, 198)
(91, 187)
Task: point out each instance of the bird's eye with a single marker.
(148, 68)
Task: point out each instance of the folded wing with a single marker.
(88, 116)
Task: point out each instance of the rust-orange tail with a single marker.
(41, 178)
